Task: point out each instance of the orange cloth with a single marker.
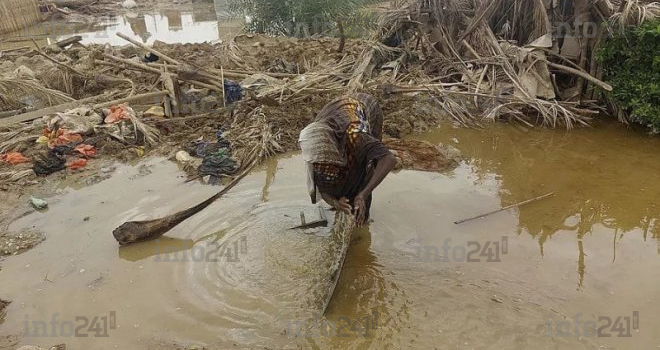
(77, 164)
(117, 114)
(64, 137)
(14, 158)
(86, 150)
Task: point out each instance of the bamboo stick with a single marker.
(132, 64)
(222, 77)
(150, 95)
(155, 52)
(32, 115)
(505, 208)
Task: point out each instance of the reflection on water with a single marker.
(196, 23)
(169, 26)
(603, 179)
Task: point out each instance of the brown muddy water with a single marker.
(591, 251)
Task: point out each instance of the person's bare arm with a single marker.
(341, 204)
(383, 168)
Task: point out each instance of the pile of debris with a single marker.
(533, 61)
(53, 105)
(473, 61)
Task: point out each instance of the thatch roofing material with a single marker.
(506, 51)
(18, 15)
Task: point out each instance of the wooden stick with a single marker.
(506, 208)
(222, 80)
(151, 95)
(159, 54)
(31, 115)
(132, 64)
(135, 231)
(15, 49)
(194, 117)
(56, 61)
(204, 85)
(13, 113)
(69, 41)
(579, 73)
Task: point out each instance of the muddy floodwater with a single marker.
(546, 276)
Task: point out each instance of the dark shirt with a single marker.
(357, 123)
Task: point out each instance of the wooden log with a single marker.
(137, 231)
(132, 64)
(32, 115)
(155, 52)
(15, 49)
(585, 75)
(151, 95)
(69, 41)
(72, 4)
(6, 114)
(234, 73)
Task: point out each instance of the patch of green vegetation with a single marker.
(631, 64)
(303, 18)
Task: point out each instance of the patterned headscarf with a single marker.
(319, 145)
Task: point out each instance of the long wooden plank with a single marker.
(154, 96)
(32, 115)
(25, 117)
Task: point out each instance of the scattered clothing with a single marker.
(77, 121)
(119, 113)
(14, 158)
(64, 138)
(77, 164)
(86, 150)
(218, 164)
(150, 57)
(233, 91)
(48, 164)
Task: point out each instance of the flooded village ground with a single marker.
(577, 270)
(591, 251)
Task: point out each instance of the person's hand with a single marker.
(360, 209)
(342, 204)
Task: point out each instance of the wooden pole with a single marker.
(222, 77)
(506, 208)
(151, 95)
(159, 54)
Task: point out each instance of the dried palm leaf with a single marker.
(14, 92)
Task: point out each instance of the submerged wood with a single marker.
(138, 231)
(342, 230)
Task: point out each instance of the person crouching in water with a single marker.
(346, 159)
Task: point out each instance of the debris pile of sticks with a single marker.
(533, 61)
